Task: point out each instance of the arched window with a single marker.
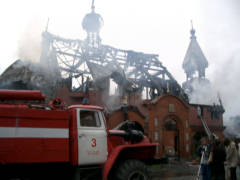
(170, 125)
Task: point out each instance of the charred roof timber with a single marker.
(126, 67)
(89, 64)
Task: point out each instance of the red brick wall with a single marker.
(71, 98)
(64, 94)
(160, 108)
(194, 119)
(117, 117)
(215, 125)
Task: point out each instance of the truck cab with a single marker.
(91, 134)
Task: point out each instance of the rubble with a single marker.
(29, 76)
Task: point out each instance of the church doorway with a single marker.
(171, 137)
(197, 141)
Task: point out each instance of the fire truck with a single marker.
(57, 142)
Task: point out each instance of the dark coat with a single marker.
(217, 164)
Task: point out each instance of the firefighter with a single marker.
(204, 152)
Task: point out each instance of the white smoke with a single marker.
(233, 127)
(226, 80)
(203, 93)
(29, 44)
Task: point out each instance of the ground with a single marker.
(174, 170)
(178, 170)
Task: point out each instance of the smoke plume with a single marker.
(233, 127)
(29, 44)
(203, 93)
(226, 81)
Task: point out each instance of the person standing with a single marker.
(216, 160)
(203, 153)
(232, 158)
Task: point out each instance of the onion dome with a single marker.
(92, 22)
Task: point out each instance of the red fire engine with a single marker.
(52, 141)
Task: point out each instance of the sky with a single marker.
(152, 26)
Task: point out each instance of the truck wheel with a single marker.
(132, 170)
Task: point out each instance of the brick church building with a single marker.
(171, 121)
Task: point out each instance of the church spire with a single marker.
(93, 6)
(192, 31)
(194, 60)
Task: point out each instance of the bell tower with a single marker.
(195, 62)
(194, 65)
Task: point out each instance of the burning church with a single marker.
(145, 91)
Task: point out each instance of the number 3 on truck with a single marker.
(94, 143)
